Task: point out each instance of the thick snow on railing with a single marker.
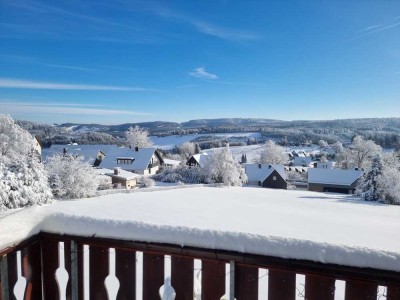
(327, 228)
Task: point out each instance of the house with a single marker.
(171, 163)
(89, 153)
(124, 178)
(302, 161)
(144, 161)
(333, 180)
(324, 165)
(266, 175)
(197, 160)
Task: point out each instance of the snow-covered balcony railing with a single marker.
(90, 249)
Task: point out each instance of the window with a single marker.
(125, 161)
(274, 178)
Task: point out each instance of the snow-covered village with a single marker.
(199, 150)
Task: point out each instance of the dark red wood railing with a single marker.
(40, 259)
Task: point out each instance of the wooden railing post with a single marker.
(281, 285)
(182, 277)
(125, 271)
(32, 271)
(3, 278)
(319, 287)
(212, 279)
(246, 282)
(153, 275)
(358, 290)
(50, 265)
(393, 292)
(99, 270)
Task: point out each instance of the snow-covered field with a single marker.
(169, 142)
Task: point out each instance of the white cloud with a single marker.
(224, 33)
(202, 74)
(61, 109)
(28, 84)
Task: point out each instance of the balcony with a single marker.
(102, 262)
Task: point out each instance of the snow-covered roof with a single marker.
(299, 161)
(123, 174)
(201, 158)
(333, 176)
(140, 162)
(88, 152)
(339, 229)
(171, 162)
(259, 172)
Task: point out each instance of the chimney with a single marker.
(136, 149)
(117, 171)
(269, 167)
(259, 166)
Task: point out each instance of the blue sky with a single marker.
(122, 61)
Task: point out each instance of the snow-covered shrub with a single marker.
(23, 183)
(389, 183)
(183, 174)
(105, 182)
(23, 180)
(221, 167)
(71, 177)
(145, 181)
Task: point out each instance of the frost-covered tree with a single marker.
(368, 186)
(322, 144)
(23, 180)
(221, 167)
(186, 150)
(70, 177)
(23, 183)
(138, 137)
(272, 154)
(359, 154)
(389, 184)
(337, 147)
(14, 140)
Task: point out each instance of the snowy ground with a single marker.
(290, 224)
(328, 228)
(252, 152)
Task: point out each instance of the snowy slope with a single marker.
(290, 224)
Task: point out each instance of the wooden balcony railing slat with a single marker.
(212, 279)
(67, 265)
(98, 271)
(246, 282)
(393, 292)
(32, 271)
(50, 266)
(182, 277)
(319, 287)
(153, 275)
(281, 285)
(359, 290)
(12, 271)
(125, 271)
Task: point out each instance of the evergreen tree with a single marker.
(368, 187)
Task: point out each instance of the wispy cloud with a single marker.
(370, 28)
(28, 84)
(376, 30)
(201, 26)
(224, 33)
(201, 73)
(19, 59)
(61, 109)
